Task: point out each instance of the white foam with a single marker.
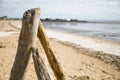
(86, 42)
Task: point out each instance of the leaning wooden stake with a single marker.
(27, 39)
(40, 68)
(58, 72)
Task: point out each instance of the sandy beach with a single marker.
(82, 58)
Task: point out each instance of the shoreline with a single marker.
(89, 36)
(89, 42)
(85, 36)
(96, 44)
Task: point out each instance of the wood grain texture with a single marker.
(40, 67)
(58, 72)
(27, 40)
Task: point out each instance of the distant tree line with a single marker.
(3, 17)
(62, 20)
(46, 19)
(6, 18)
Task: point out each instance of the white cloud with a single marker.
(82, 9)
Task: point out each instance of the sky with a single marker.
(65, 9)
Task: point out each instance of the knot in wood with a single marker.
(35, 51)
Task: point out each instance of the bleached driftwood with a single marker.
(58, 72)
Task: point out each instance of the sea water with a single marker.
(109, 31)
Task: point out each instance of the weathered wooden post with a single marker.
(58, 72)
(26, 43)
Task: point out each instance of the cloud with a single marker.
(82, 9)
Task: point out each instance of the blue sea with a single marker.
(110, 31)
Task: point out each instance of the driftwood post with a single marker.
(26, 42)
(58, 72)
(26, 45)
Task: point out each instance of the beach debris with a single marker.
(82, 78)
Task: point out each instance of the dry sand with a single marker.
(78, 63)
